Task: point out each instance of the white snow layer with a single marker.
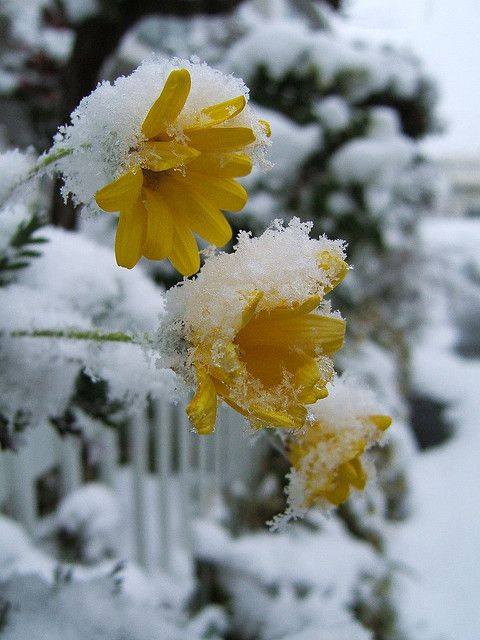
(285, 44)
(438, 594)
(74, 284)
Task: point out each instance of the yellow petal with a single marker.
(160, 156)
(221, 139)
(306, 332)
(203, 218)
(251, 306)
(266, 126)
(130, 236)
(221, 193)
(338, 494)
(202, 410)
(218, 113)
(309, 381)
(184, 254)
(302, 308)
(294, 418)
(228, 165)
(159, 235)
(335, 267)
(164, 111)
(121, 194)
(223, 392)
(381, 422)
(359, 476)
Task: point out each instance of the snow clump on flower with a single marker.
(105, 128)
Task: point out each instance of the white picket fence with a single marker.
(201, 466)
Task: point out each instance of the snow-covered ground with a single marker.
(439, 589)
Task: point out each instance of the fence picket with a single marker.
(109, 455)
(203, 475)
(163, 454)
(138, 434)
(70, 464)
(184, 460)
(191, 470)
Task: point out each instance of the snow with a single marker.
(88, 610)
(291, 145)
(372, 159)
(333, 112)
(14, 167)
(438, 545)
(460, 236)
(280, 45)
(92, 293)
(283, 44)
(18, 556)
(91, 513)
(447, 42)
(264, 572)
(79, 10)
(28, 26)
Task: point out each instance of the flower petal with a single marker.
(299, 309)
(335, 267)
(206, 220)
(221, 193)
(308, 380)
(306, 332)
(202, 410)
(184, 255)
(159, 235)
(381, 422)
(294, 418)
(265, 124)
(168, 105)
(291, 419)
(130, 236)
(160, 156)
(221, 139)
(228, 165)
(251, 306)
(121, 194)
(218, 113)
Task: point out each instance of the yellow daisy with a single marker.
(331, 460)
(181, 178)
(278, 361)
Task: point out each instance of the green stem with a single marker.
(76, 334)
(49, 158)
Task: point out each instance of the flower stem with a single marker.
(76, 334)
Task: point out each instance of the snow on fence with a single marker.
(162, 449)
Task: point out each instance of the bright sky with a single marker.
(445, 34)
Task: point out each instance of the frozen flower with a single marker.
(255, 329)
(329, 457)
(171, 164)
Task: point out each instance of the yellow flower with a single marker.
(277, 361)
(330, 460)
(182, 176)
